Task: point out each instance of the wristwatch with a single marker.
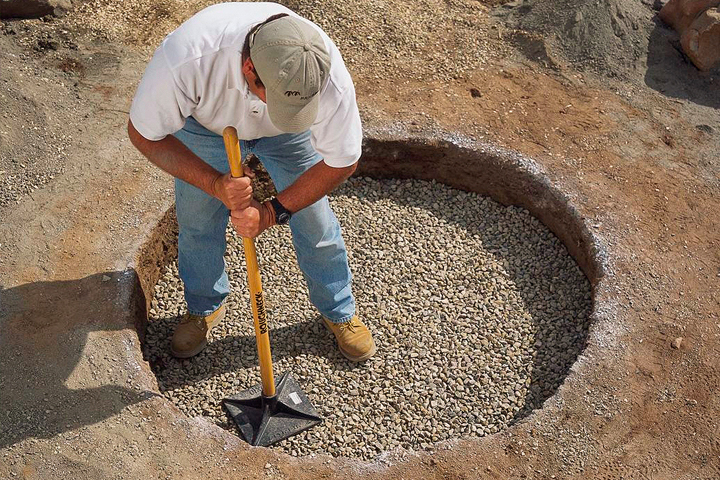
(282, 214)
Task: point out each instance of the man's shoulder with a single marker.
(340, 80)
(215, 28)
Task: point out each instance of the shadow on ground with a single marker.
(45, 329)
(671, 73)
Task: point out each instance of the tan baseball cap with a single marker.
(293, 62)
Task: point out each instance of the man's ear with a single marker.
(248, 67)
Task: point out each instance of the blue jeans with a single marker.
(203, 219)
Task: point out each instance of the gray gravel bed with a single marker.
(477, 309)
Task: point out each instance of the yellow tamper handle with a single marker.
(232, 147)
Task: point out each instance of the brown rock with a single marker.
(32, 8)
(701, 41)
(677, 343)
(680, 14)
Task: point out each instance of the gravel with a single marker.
(477, 309)
(426, 39)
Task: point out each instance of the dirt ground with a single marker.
(635, 151)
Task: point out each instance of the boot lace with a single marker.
(349, 325)
(197, 320)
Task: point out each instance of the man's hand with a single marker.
(253, 220)
(235, 193)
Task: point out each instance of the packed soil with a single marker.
(598, 93)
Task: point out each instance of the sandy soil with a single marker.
(636, 153)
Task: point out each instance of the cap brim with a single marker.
(291, 118)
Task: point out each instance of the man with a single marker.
(281, 82)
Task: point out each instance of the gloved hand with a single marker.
(235, 193)
(253, 220)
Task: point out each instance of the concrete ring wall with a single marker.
(505, 176)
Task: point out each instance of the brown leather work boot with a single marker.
(190, 336)
(354, 339)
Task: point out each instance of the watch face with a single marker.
(283, 218)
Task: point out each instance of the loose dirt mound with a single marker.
(607, 36)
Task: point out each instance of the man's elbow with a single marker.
(351, 169)
(138, 141)
(132, 133)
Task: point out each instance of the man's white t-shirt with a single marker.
(196, 72)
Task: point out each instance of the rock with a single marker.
(105, 278)
(706, 129)
(701, 41)
(680, 14)
(677, 343)
(33, 8)
(698, 23)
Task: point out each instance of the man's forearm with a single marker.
(176, 159)
(314, 184)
